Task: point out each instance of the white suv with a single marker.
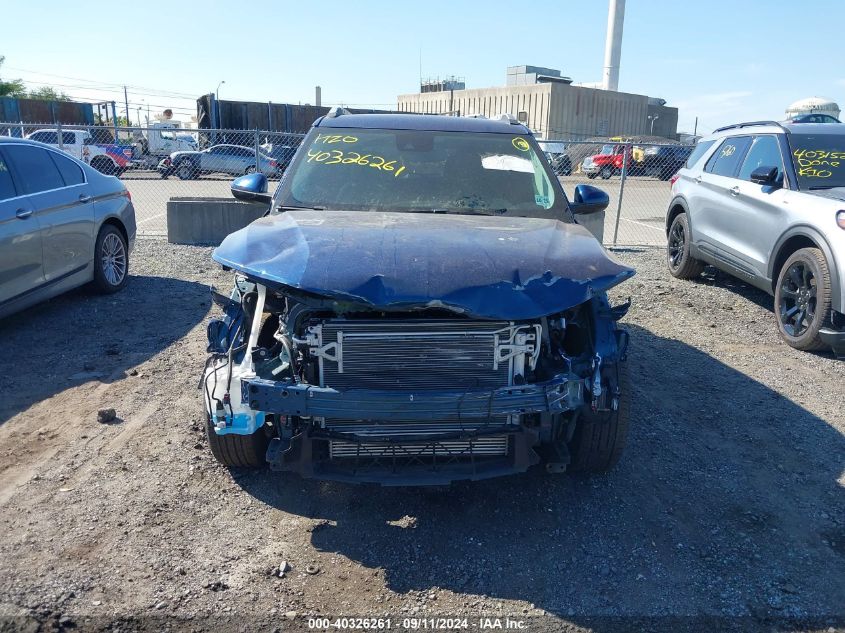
(765, 202)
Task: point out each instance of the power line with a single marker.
(104, 83)
(118, 100)
(100, 90)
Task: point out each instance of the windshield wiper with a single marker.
(287, 207)
(461, 211)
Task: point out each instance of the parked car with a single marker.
(62, 224)
(663, 161)
(813, 118)
(558, 158)
(282, 153)
(107, 158)
(419, 306)
(234, 160)
(608, 161)
(764, 202)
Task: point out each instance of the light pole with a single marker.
(216, 123)
(653, 118)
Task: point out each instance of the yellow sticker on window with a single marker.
(521, 144)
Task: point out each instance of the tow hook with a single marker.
(614, 404)
(595, 387)
(220, 415)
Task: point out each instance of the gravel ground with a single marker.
(727, 510)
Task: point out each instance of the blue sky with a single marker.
(720, 60)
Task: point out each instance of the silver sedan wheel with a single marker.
(113, 259)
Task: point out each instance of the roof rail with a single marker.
(510, 119)
(750, 124)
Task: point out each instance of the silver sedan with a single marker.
(62, 224)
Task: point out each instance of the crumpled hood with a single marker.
(486, 267)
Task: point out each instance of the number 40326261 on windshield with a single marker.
(339, 157)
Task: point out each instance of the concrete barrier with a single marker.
(208, 220)
(594, 223)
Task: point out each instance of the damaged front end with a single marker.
(345, 392)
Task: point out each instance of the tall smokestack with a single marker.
(613, 46)
(318, 96)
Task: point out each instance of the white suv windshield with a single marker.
(819, 160)
(420, 170)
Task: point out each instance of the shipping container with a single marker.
(252, 115)
(14, 110)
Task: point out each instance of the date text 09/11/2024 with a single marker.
(417, 624)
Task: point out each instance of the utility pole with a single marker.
(126, 102)
(695, 130)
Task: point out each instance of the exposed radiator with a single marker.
(420, 354)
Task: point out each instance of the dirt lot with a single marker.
(727, 510)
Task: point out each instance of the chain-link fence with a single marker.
(635, 176)
(163, 161)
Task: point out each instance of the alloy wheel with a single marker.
(677, 240)
(798, 292)
(113, 259)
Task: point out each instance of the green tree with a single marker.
(13, 87)
(48, 93)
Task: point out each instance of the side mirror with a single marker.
(251, 188)
(588, 199)
(765, 175)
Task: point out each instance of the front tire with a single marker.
(606, 172)
(802, 299)
(681, 264)
(237, 451)
(111, 260)
(104, 166)
(600, 436)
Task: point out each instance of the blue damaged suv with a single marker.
(418, 306)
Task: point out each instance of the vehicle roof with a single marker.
(429, 122)
(15, 139)
(815, 128)
(773, 127)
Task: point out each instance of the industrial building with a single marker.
(552, 107)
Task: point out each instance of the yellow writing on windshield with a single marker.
(335, 138)
(817, 163)
(338, 157)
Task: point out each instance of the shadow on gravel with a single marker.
(82, 336)
(715, 277)
(724, 512)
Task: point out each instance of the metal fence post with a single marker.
(59, 134)
(257, 153)
(625, 156)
